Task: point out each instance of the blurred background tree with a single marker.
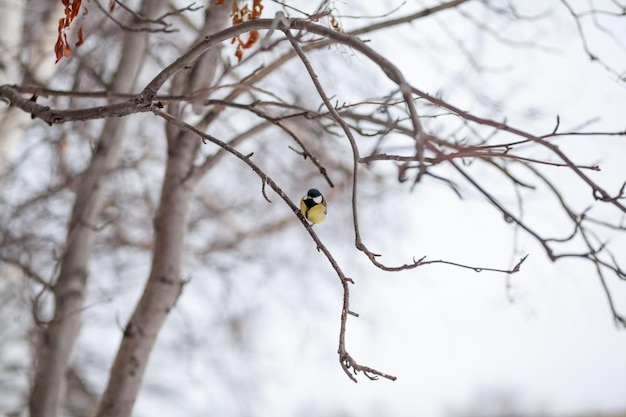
(178, 137)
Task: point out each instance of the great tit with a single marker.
(313, 206)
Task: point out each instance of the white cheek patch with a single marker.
(317, 199)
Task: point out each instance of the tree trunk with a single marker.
(39, 67)
(164, 284)
(163, 287)
(57, 342)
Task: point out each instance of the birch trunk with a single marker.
(57, 342)
(164, 284)
(39, 66)
(163, 287)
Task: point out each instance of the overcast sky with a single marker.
(543, 341)
(460, 342)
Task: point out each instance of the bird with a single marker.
(313, 206)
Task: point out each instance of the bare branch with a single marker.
(162, 25)
(583, 38)
(345, 359)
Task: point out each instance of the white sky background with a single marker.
(452, 336)
(455, 339)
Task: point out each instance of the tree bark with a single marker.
(11, 22)
(39, 67)
(163, 287)
(164, 284)
(57, 342)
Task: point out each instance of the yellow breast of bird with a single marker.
(316, 214)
